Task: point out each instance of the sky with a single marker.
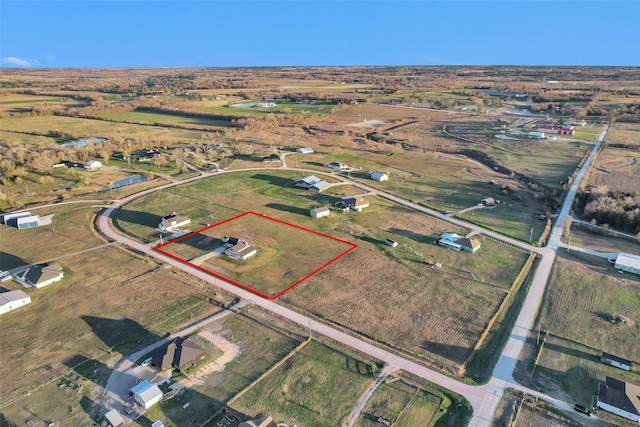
(166, 33)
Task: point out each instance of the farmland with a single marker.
(148, 117)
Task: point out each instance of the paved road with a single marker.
(484, 399)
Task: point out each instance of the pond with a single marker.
(244, 104)
(83, 142)
(133, 179)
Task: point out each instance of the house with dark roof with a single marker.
(41, 275)
(457, 242)
(179, 353)
(620, 398)
(272, 158)
(354, 203)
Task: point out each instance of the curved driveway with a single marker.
(484, 399)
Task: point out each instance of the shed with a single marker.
(114, 418)
(616, 361)
(305, 150)
(391, 243)
(92, 165)
(12, 218)
(12, 300)
(319, 212)
(319, 186)
(378, 176)
(628, 262)
(147, 394)
(28, 222)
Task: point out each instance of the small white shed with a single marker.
(319, 212)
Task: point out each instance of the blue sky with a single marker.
(268, 33)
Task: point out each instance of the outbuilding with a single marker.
(319, 212)
(616, 361)
(146, 394)
(391, 243)
(354, 203)
(628, 262)
(12, 300)
(172, 222)
(114, 419)
(92, 165)
(378, 176)
(305, 150)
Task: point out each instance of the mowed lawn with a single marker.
(319, 387)
(286, 254)
(149, 117)
(108, 303)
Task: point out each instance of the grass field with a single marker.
(24, 103)
(288, 108)
(317, 387)
(108, 303)
(617, 167)
(286, 254)
(394, 288)
(585, 239)
(149, 117)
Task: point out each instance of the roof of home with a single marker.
(320, 209)
(309, 180)
(177, 353)
(174, 219)
(242, 248)
(354, 201)
(469, 243)
(620, 394)
(12, 296)
(320, 185)
(114, 418)
(41, 273)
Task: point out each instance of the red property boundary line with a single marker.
(240, 285)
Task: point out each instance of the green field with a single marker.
(148, 117)
(287, 108)
(317, 387)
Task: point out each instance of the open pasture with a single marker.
(317, 387)
(286, 108)
(109, 302)
(150, 117)
(287, 254)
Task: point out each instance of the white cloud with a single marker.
(15, 61)
(49, 57)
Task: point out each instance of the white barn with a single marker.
(628, 262)
(378, 176)
(147, 394)
(12, 300)
(305, 150)
(92, 165)
(319, 212)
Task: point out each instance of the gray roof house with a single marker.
(42, 275)
(620, 398)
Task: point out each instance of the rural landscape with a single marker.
(408, 246)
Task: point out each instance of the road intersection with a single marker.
(484, 399)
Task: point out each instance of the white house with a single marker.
(12, 300)
(312, 183)
(241, 250)
(40, 276)
(628, 262)
(172, 222)
(92, 165)
(378, 176)
(357, 204)
(457, 242)
(337, 166)
(147, 394)
(620, 398)
(536, 135)
(319, 212)
(305, 150)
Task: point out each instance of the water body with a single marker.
(133, 179)
(244, 104)
(83, 142)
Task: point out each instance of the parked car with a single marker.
(582, 408)
(146, 362)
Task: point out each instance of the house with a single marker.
(305, 150)
(312, 183)
(241, 250)
(454, 241)
(272, 158)
(260, 422)
(391, 243)
(557, 129)
(579, 123)
(620, 398)
(489, 201)
(355, 203)
(12, 300)
(179, 353)
(172, 222)
(616, 361)
(337, 166)
(41, 275)
(92, 165)
(319, 212)
(146, 394)
(378, 176)
(536, 135)
(114, 419)
(628, 262)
